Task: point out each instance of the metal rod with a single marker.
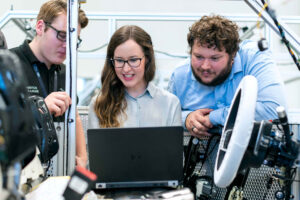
(292, 37)
(71, 84)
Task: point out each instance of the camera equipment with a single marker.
(80, 183)
(44, 128)
(17, 139)
(193, 155)
(205, 188)
(237, 132)
(263, 44)
(202, 186)
(247, 144)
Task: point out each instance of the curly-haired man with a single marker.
(206, 82)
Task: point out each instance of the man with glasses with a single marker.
(42, 60)
(205, 84)
(62, 35)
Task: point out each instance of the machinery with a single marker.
(17, 140)
(248, 144)
(245, 144)
(25, 123)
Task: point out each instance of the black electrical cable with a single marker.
(46, 171)
(207, 152)
(287, 179)
(282, 34)
(269, 185)
(204, 157)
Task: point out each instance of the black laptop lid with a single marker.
(120, 156)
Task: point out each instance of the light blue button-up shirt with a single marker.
(248, 61)
(155, 107)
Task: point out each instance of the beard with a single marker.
(218, 79)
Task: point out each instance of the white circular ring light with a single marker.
(236, 133)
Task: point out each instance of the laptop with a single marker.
(136, 157)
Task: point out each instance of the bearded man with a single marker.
(206, 82)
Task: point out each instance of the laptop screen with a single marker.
(147, 156)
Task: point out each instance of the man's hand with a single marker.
(58, 103)
(198, 123)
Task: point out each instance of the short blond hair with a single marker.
(51, 9)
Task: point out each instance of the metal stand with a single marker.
(292, 37)
(71, 86)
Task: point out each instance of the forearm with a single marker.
(218, 116)
(81, 151)
(264, 110)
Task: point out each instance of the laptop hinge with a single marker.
(173, 183)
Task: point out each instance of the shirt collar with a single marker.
(189, 62)
(28, 52)
(237, 66)
(150, 90)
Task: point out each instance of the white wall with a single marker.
(288, 7)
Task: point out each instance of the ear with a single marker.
(146, 60)
(40, 27)
(232, 59)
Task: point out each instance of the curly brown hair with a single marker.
(111, 103)
(215, 32)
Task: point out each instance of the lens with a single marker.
(62, 36)
(134, 62)
(119, 63)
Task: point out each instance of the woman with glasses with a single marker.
(127, 97)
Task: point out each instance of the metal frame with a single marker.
(12, 14)
(113, 18)
(71, 86)
(291, 36)
(21, 23)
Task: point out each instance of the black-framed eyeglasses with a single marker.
(62, 35)
(132, 62)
